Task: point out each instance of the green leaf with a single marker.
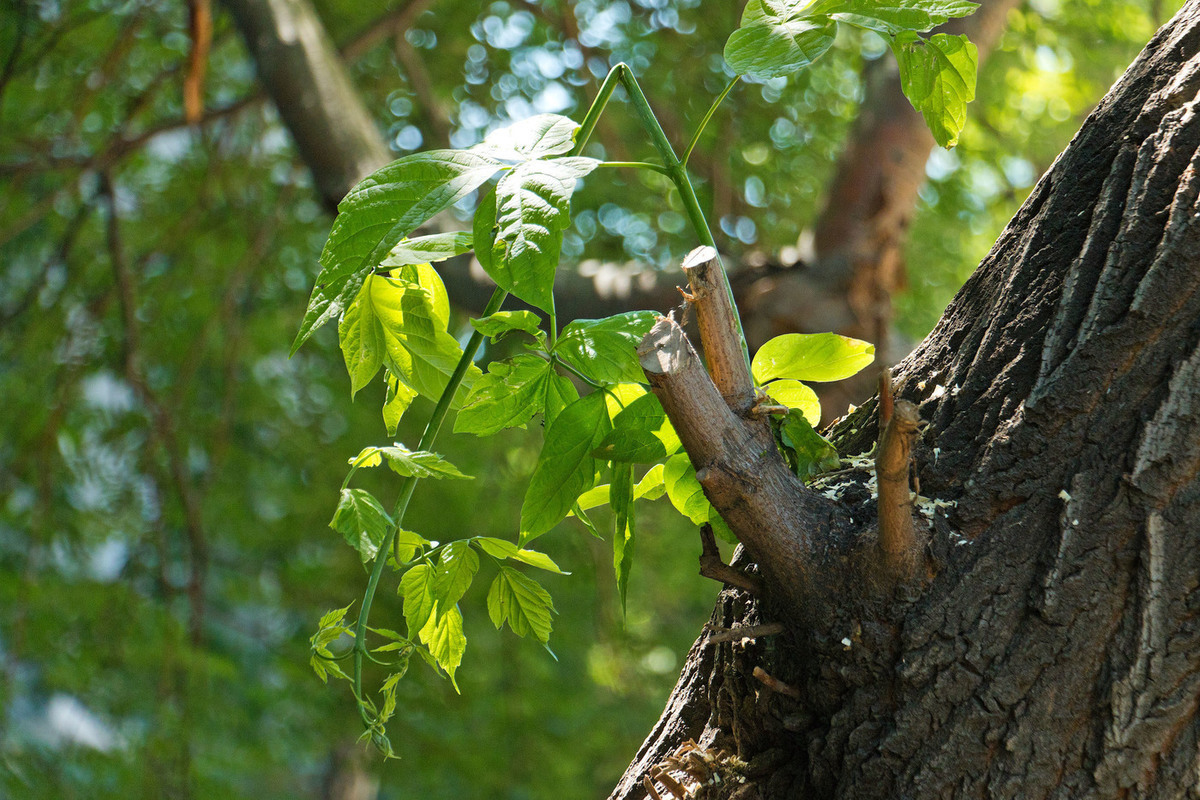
(650, 487)
(641, 433)
(399, 397)
(443, 633)
(455, 571)
(333, 618)
(774, 40)
(687, 496)
(533, 207)
(522, 602)
(566, 467)
(361, 339)
(606, 349)
(938, 77)
(429, 249)
(420, 352)
(890, 17)
(499, 548)
(483, 228)
(406, 544)
(795, 394)
(362, 521)
(503, 322)
(409, 463)
(536, 137)
(417, 589)
(380, 211)
(511, 393)
(811, 357)
(621, 495)
(811, 453)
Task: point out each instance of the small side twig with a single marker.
(711, 565)
(899, 421)
(776, 685)
(743, 632)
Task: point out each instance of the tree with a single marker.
(1049, 645)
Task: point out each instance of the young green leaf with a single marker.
(499, 548)
(566, 467)
(332, 619)
(397, 400)
(650, 487)
(811, 357)
(795, 394)
(429, 249)
(938, 77)
(522, 602)
(380, 211)
(406, 544)
(361, 339)
(443, 633)
(511, 393)
(454, 574)
(420, 352)
(623, 526)
(533, 207)
(535, 137)
(417, 589)
(775, 39)
(503, 322)
(606, 349)
(362, 521)
(890, 17)
(811, 453)
(687, 496)
(641, 434)
(409, 463)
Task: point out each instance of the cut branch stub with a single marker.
(737, 464)
(898, 421)
(719, 330)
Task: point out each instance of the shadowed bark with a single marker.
(1054, 649)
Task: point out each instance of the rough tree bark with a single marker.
(1051, 645)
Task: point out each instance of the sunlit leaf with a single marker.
(894, 16)
(641, 433)
(503, 322)
(795, 394)
(511, 393)
(687, 496)
(535, 137)
(455, 571)
(409, 463)
(443, 633)
(621, 497)
(362, 521)
(774, 40)
(417, 589)
(380, 211)
(606, 349)
(533, 205)
(397, 400)
(938, 77)
(361, 340)
(811, 357)
(522, 602)
(428, 249)
(499, 548)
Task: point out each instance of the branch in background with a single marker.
(201, 24)
(422, 85)
(163, 428)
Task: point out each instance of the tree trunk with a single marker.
(1052, 646)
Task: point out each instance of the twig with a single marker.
(720, 335)
(743, 632)
(711, 565)
(776, 685)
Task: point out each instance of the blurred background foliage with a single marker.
(166, 471)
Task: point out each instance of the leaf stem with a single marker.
(683, 184)
(407, 487)
(687, 154)
(559, 362)
(660, 169)
(596, 109)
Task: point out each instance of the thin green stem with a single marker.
(597, 108)
(407, 487)
(659, 168)
(558, 361)
(687, 154)
(679, 175)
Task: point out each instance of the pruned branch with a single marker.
(712, 566)
(899, 421)
(737, 463)
(719, 330)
